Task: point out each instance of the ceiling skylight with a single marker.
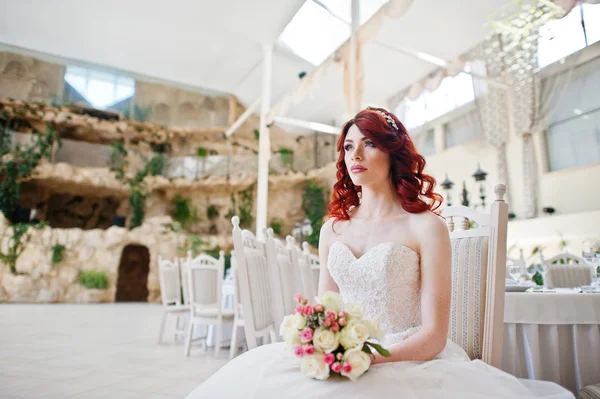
(322, 26)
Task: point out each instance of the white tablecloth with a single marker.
(553, 337)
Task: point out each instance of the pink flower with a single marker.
(307, 334)
(329, 359)
(342, 321)
(326, 322)
(339, 356)
(342, 314)
(308, 310)
(332, 316)
(318, 308)
(309, 349)
(347, 367)
(335, 326)
(299, 309)
(299, 351)
(336, 367)
(300, 298)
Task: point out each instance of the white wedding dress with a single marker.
(387, 280)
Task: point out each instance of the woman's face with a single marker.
(366, 163)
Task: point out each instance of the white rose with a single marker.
(331, 301)
(314, 366)
(326, 340)
(354, 310)
(375, 329)
(354, 334)
(292, 337)
(359, 361)
(298, 321)
(286, 325)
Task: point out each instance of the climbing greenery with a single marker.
(138, 193)
(93, 279)
(245, 208)
(287, 156)
(19, 165)
(184, 212)
(315, 207)
(58, 253)
(21, 235)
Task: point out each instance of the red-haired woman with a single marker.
(384, 246)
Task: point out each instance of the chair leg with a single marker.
(234, 341)
(162, 328)
(188, 341)
(218, 337)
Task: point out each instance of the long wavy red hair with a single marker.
(414, 187)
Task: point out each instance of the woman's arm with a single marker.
(326, 237)
(436, 292)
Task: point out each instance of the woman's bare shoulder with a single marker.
(427, 222)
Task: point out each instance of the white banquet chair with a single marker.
(567, 271)
(238, 317)
(254, 283)
(205, 290)
(306, 274)
(170, 295)
(315, 266)
(478, 278)
(283, 276)
(478, 281)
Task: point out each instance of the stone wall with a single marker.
(39, 280)
(28, 78)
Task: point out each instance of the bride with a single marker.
(385, 246)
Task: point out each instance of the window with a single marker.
(425, 142)
(462, 130)
(562, 37)
(100, 89)
(321, 27)
(453, 92)
(573, 134)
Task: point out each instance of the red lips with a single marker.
(357, 169)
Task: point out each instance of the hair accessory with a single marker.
(388, 118)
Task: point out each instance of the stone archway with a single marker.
(132, 284)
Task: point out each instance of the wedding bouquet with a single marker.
(331, 337)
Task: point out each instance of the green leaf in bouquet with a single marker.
(367, 349)
(380, 349)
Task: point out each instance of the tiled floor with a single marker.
(96, 351)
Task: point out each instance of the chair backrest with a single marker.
(170, 284)
(478, 278)
(306, 274)
(315, 266)
(183, 272)
(237, 304)
(254, 279)
(283, 276)
(205, 280)
(567, 271)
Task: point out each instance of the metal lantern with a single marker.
(479, 177)
(447, 186)
(297, 231)
(307, 228)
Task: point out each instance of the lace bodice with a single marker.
(387, 279)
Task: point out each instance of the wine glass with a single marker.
(514, 271)
(530, 271)
(543, 268)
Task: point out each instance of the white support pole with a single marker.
(352, 63)
(236, 125)
(264, 145)
(319, 127)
